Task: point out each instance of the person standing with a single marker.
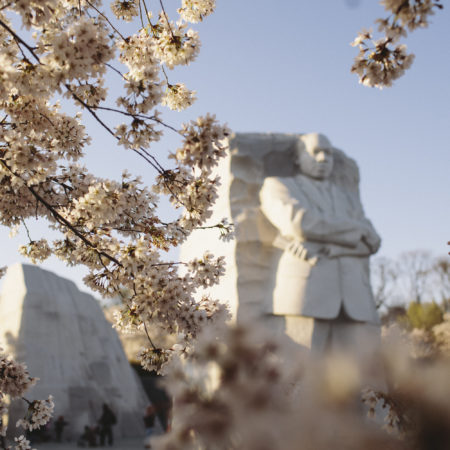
(59, 428)
(106, 422)
(149, 422)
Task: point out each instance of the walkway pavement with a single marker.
(121, 444)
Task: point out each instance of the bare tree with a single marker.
(414, 270)
(441, 278)
(383, 277)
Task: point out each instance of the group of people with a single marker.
(93, 436)
(98, 435)
(103, 430)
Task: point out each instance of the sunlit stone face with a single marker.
(315, 156)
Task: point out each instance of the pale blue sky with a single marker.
(284, 66)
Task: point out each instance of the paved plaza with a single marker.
(121, 444)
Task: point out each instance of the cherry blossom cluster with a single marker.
(175, 44)
(227, 231)
(373, 399)
(195, 186)
(383, 60)
(411, 14)
(380, 65)
(38, 414)
(14, 379)
(14, 382)
(36, 251)
(22, 443)
(125, 9)
(178, 97)
(110, 226)
(226, 393)
(195, 10)
(243, 388)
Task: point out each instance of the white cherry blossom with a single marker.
(379, 64)
(195, 10)
(178, 97)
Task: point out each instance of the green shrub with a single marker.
(424, 315)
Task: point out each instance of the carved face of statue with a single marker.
(315, 156)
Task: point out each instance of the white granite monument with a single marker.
(300, 260)
(66, 342)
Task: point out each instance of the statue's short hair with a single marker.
(313, 139)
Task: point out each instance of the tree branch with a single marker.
(109, 22)
(19, 39)
(63, 221)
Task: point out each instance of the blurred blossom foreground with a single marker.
(247, 390)
(243, 387)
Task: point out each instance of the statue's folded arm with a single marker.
(292, 216)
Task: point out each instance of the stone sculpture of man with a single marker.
(323, 272)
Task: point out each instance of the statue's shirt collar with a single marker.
(319, 183)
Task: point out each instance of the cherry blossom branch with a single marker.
(109, 22)
(148, 336)
(79, 44)
(170, 264)
(165, 75)
(379, 65)
(143, 153)
(20, 48)
(146, 13)
(26, 400)
(27, 230)
(140, 14)
(155, 164)
(18, 38)
(217, 225)
(167, 20)
(138, 116)
(5, 6)
(61, 220)
(116, 70)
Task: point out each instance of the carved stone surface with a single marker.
(325, 237)
(259, 163)
(65, 340)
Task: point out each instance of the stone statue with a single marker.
(299, 264)
(326, 241)
(67, 343)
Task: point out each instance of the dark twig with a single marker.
(151, 159)
(165, 74)
(5, 6)
(27, 230)
(140, 14)
(27, 401)
(60, 219)
(115, 70)
(167, 19)
(138, 116)
(148, 336)
(19, 39)
(146, 14)
(109, 22)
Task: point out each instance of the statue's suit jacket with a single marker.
(324, 266)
